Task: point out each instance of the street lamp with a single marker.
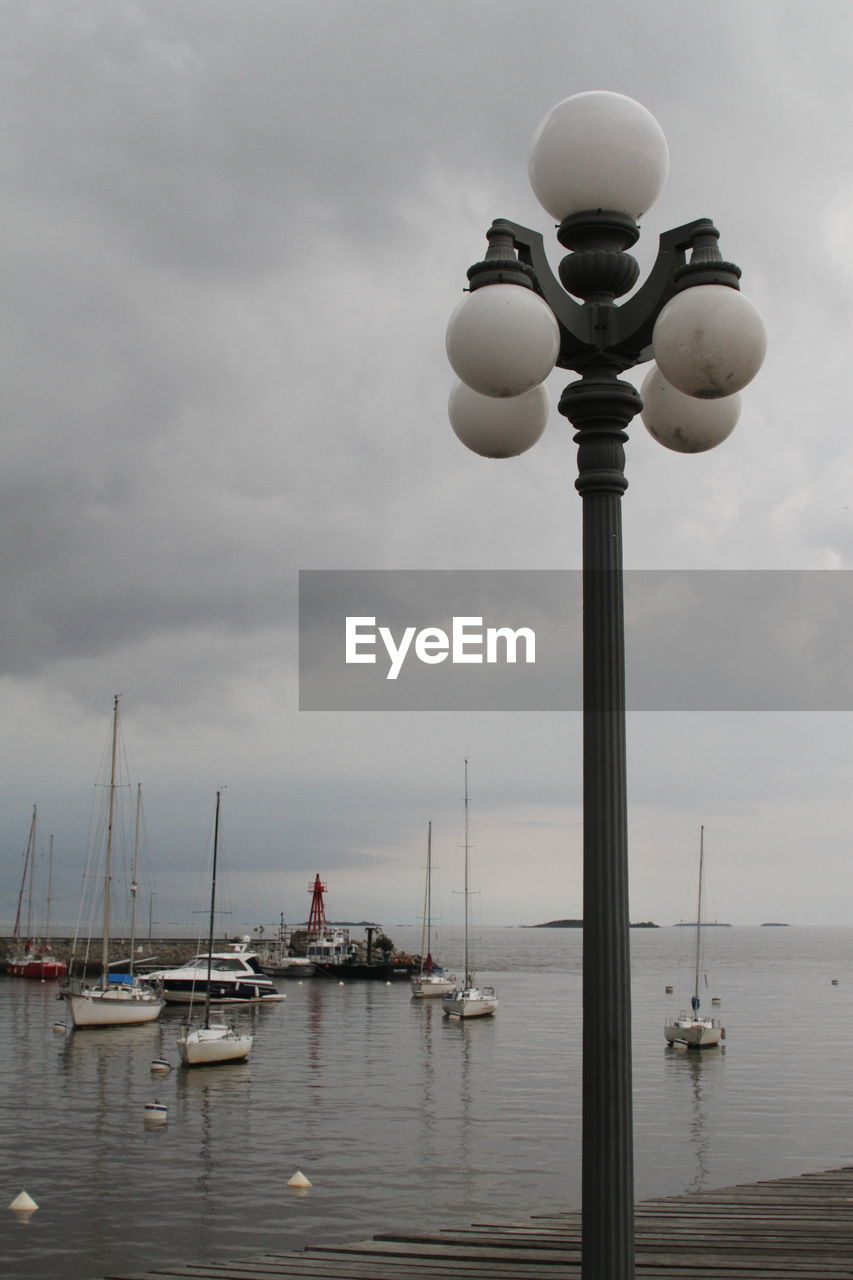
(597, 163)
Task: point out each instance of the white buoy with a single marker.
(299, 1180)
(23, 1203)
(160, 1064)
(59, 1027)
(156, 1112)
(340, 984)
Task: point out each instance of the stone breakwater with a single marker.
(161, 952)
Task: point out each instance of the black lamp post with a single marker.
(598, 161)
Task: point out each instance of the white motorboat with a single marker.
(116, 999)
(469, 1000)
(231, 977)
(692, 1029)
(430, 980)
(214, 1040)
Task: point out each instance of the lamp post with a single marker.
(597, 163)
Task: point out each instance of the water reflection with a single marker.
(694, 1072)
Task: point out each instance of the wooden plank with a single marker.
(793, 1228)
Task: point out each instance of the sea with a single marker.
(403, 1120)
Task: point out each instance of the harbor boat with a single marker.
(214, 1040)
(333, 954)
(431, 979)
(279, 959)
(233, 976)
(469, 1000)
(33, 957)
(115, 999)
(692, 1029)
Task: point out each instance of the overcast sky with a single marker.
(232, 237)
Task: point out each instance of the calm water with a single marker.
(403, 1120)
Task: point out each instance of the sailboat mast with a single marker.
(212, 912)
(468, 975)
(49, 891)
(32, 859)
(108, 866)
(27, 856)
(133, 882)
(699, 915)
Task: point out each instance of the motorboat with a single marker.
(236, 977)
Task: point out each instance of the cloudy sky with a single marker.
(232, 236)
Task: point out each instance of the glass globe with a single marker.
(598, 150)
(683, 423)
(709, 341)
(502, 340)
(498, 428)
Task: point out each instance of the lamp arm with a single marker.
(632, 324)
(576, 324)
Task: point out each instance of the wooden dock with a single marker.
(798, 1228)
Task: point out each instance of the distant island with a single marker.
(775, 924)
(703, 924)
(578, 924)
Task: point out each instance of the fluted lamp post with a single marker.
(598, 162)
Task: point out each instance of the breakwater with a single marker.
(164, 952)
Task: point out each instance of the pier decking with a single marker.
(798, 1228)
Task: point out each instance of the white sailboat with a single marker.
(469, 1000)
(214, 1040)
(692, 1029)
(430, 980)
(116, 999)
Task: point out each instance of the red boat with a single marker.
(32, 959)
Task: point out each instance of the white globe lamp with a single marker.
(502, 339)
(498, 428)
(709, 341)
(683, 423)
(598, 150)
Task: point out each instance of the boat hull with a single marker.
(427, 986)
(694, 1033)
(374, 972)
(113, 1006)
(185, 991)
(473, 1002)
(43, 968)
(207, 1046)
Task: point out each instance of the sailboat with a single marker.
(430, 980)
(215, 1040)
(470, 1000)
(33, 958)
(116, 999)
(692, 1029)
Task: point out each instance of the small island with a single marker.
(578, 924)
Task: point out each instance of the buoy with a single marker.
(715, 999)
(23, 1203)
(299, 1180)
(59, 1026)
(156, 1112)
(160, 1064)
(340, 984)
(835, 982)
(668, 989)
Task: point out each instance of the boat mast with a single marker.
(133, 883)
(469, 977)
(49, 891)
(31, 841)
(212, 913)
(426, 964)
(108, 866)
(699, 918)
